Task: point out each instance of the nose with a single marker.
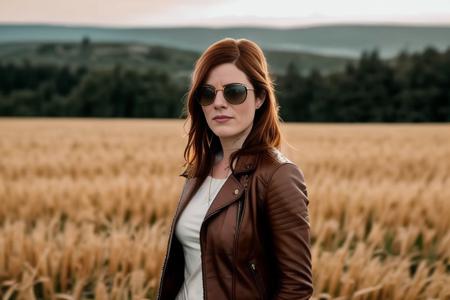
(219, 100)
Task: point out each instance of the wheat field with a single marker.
(86, 205)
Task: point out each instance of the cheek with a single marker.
(206, 112)
(246, 113)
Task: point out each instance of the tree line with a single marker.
(412, 87)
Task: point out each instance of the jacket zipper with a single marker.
(239, 214)
(259, 284)
(205, 297)
(238, 219)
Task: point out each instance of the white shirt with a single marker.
(187, 231)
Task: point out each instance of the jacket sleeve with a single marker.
(286, 206)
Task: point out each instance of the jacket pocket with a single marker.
(258, 280)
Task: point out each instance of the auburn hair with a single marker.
(203, 144)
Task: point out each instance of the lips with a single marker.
(221, 118)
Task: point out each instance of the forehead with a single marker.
(224, 74)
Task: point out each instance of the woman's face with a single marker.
(241, 115)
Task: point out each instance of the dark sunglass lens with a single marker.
(206, 95)
(235, 93)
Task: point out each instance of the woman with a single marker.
(241, 228)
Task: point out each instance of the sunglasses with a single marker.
(234, 93)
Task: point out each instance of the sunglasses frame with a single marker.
(222, 89)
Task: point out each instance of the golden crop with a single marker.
(86, 205)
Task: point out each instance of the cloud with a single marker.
(92, 11)
(225, 12)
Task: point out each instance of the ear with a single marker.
(260, 99)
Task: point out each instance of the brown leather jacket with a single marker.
(255, 238)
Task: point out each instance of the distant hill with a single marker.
(178, 62)
(332, 40)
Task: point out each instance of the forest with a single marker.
(413, 87)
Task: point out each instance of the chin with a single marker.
(227, 132)
(224, 132)
(225, 135)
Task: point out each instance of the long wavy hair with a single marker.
(203, 144)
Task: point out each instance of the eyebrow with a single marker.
(208, 84)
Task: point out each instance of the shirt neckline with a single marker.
(219, 179)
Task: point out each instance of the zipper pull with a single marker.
(245, 180)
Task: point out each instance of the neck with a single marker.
(231, 144)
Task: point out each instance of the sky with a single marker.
(172, 13)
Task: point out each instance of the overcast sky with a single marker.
(280, 13)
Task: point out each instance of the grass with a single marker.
(87, 204)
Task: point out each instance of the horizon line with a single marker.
(227, 26)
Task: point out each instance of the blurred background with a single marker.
(352, 61)
(92, 138)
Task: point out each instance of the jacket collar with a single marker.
(231, 190)
(245, 164)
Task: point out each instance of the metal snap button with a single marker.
(236, 191)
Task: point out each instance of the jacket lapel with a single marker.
(231, 190)
(187, 194)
